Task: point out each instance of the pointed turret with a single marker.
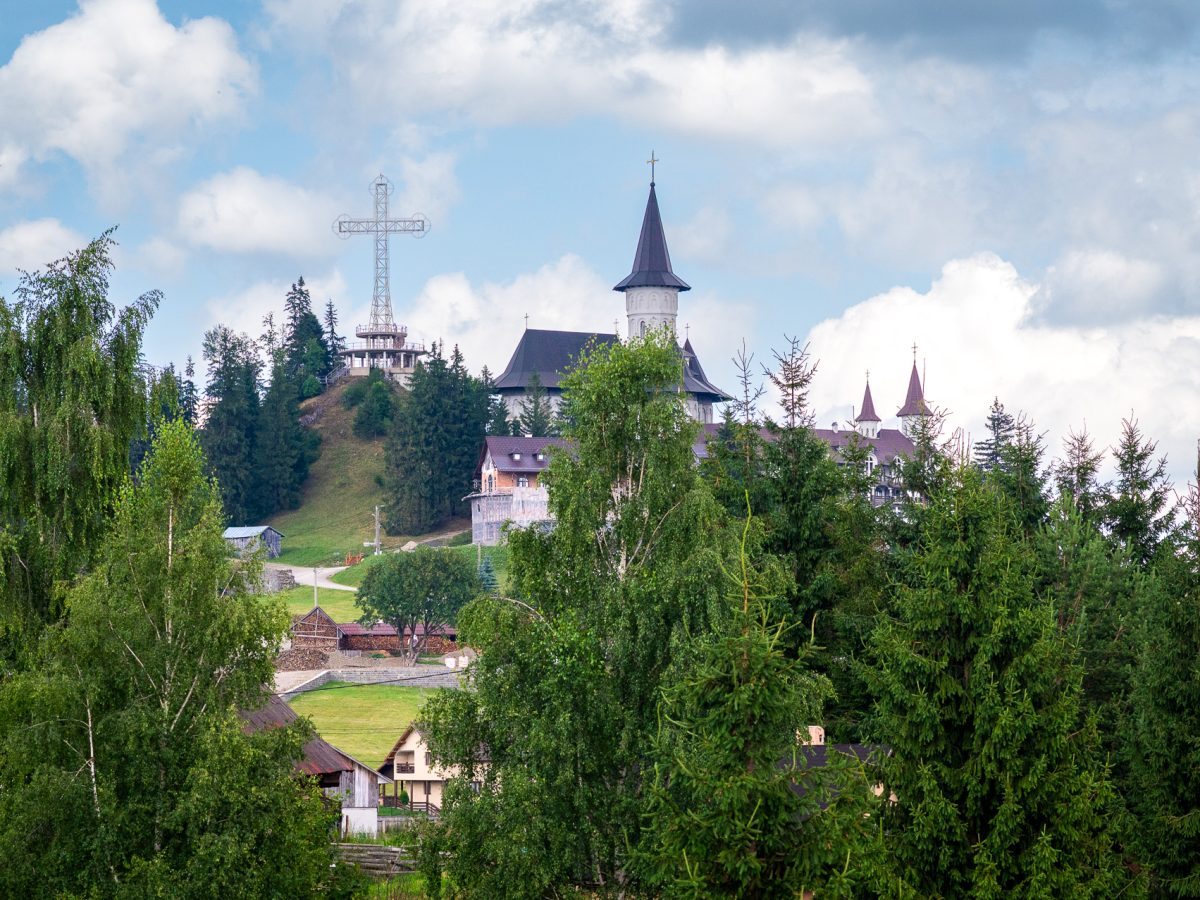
(914, 400)
(867, 422)
(652, 262)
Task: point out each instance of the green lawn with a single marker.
(339, 604)
(365, 720)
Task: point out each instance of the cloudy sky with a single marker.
(1014, 187)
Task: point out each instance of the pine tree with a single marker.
(487, 576)
(334, 341)
(304, 344)
(1001, 428)
(230, 434)
(537, 415)
(498, 423)
(1134, 513)
(999, 790)
(71, 401)
(1075, 476)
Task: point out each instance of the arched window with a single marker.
(643, 327)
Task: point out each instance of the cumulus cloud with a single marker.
(115, 74)
(547, 61)
(244, 211)
(978, 339)
(30, 245)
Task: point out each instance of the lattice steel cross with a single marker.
(381, 226)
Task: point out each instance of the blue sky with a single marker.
(1013, 187)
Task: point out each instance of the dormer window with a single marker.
(516, 455)
(541, 457)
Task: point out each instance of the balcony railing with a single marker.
(404, 768)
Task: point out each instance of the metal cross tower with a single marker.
(381, 226)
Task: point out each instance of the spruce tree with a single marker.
(1075, 476)
(999, 789)
(1163, 732)
(304, 345)
(498, 423)
(1019, 474)
(537, 415)
(334, 341)
(230, 434)
(487, 576)
(1134, 513)
(416, 475)
(1001, 429)
(189, 397)
(283, 451)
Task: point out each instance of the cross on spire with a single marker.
(651, 161)
(526, 321)
(381, 226)
(914, 352)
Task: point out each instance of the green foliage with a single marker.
(416, 592)
(1021, 477)
(71, 401)
(230, 432)
(1164, 728)
(1001, 428)
(1135, 512)
(487, 577)
(283, 450)
(123, 750)
(357, 389)
(434, 444)
(734, 810)
(375, 411)
(1075, 476)
(537, 415)
(306, 354)
(999, 789)
(567, 682)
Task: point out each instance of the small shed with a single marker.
(342, 778)
(248, 538)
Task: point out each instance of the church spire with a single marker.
(914, 400)
(652, 263)
(867, 422)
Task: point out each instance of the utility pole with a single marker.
(315, 603)
(377, 530)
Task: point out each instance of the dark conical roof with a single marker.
(867, 414)
(652, 263)
(914, 401)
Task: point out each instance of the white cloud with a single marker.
(114, 74)
(498, 63)
(705, 236)
(244, 310)
(1101, 286)
(30, 245)
(430, 186)
(162, 256)
(243, 211)
(978, 339)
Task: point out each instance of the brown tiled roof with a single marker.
(502, 449)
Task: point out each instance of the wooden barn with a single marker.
(342, 778)
(316, 630)
(248, 539)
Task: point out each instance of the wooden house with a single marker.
(342, 778)
(249, 538)
(411, 767)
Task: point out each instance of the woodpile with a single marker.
(296, 660)
(440, 646)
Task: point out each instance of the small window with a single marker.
(643, 328)
(541, 457)
(516, 456)
(428, 759)
(522, 481)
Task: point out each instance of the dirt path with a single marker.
(304, 576)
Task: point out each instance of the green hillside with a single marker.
(336, 512)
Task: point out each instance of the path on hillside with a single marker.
(304, 576)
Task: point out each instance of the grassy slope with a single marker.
(337, 507)
(364, 720)
(339, 604)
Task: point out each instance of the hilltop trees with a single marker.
(230, 431)
(71, 402)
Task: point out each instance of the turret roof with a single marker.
(652, 263)
(914, 401)
(867, 414)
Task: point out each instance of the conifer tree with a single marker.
(230, 434)
(334, 341)
(1135, 511)
(71, 401)
(304, 344)
(537, 416)
(487, 576)
(1001, 429)
(283, 448)
(189, 397)
(1075, 476)
(1164, 728)
(1019, 474)
(498, 423)
(999, 790)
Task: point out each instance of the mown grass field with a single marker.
(339, 604)
(365, 720)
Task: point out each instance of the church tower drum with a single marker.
(652, 288)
